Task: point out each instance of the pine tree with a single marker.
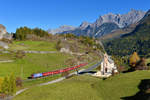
(12, 85)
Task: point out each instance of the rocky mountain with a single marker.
(104, 24)
(61, 29)
(119, 32)
(2, 31)
(121, 20)
(4, 34)
(138, 40)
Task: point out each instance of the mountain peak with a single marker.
(147, 13)
(66, 26)
(121, 20)
(84, 25)
(61, 29)
(99, 27)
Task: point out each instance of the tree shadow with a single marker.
(143, 94)
(91, 72)
(129, 70)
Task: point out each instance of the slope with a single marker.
(88, 88)
(138, 40)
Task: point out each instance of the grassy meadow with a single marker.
(34, 63)
(86, 87)
(33, 45)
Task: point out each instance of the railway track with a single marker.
(59, 79)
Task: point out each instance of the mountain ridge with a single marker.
(94, 30)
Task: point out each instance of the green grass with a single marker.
(34, 63)
(88, 88)
(30, 83)
(70, 89)
(122, 85)
(33, 45)
(6, 56)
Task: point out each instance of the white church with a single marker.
(107, 67)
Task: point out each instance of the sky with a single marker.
(50, 14)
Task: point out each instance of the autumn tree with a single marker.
(1, 81)
(5, 85)
(134, 59)
(9, 85)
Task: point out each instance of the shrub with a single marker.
(18, 82)
(98, 68)
(20, 54)
(65, 74)
(58, 46)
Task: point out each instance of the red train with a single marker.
(37, 75)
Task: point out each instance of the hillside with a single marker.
(118, 32)
(27, 57)
(89, 88)
(138, 40)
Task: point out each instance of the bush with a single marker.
(58, 46)
(20, 54)
(65, 74)
(98, 68)
(18, 82)
(2, 95)
(71, 62)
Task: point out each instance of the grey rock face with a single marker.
(147, 14)
(121, 20)
(104, 24)
(61, 29)
(84, 25)
(2, 31)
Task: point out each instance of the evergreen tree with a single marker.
(23, 32)
(12, 85)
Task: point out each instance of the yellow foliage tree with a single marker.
(134, 59)
(1, 81)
